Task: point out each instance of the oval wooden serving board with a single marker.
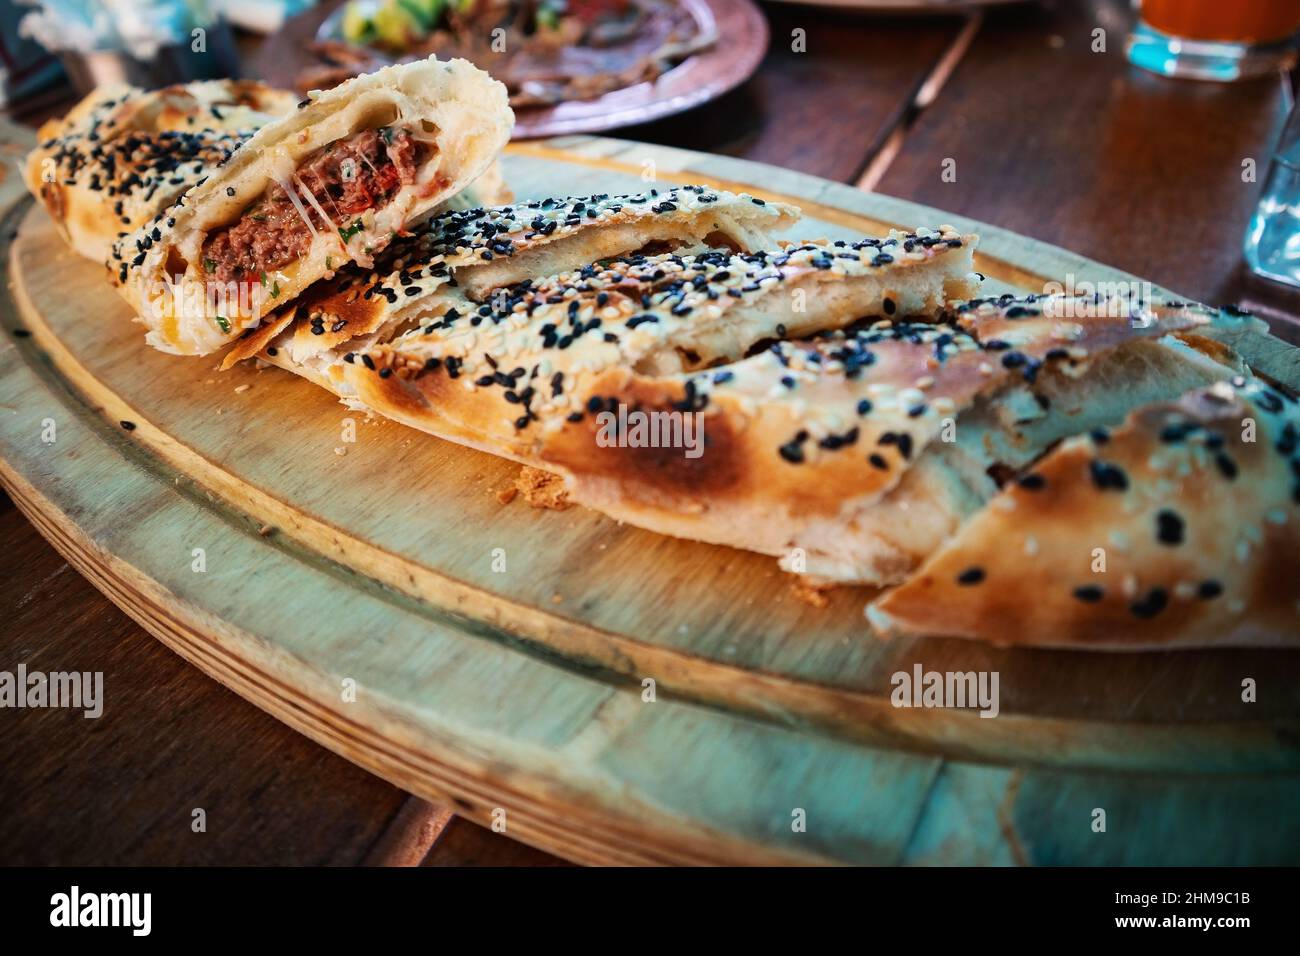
(523, 690)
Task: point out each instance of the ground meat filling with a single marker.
(346, 178)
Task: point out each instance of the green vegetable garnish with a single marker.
(225, 326)
(209, 265)
(349, 231)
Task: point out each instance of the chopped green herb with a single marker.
(275, 291)
(349, 231)
(209, 265)
(329, 262)
(225, 326)
(263, 279)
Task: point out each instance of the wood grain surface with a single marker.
(862, 114)
(1060, 142)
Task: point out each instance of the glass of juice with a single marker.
(1215, 39)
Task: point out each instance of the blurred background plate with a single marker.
(739, 25)
(905, 6)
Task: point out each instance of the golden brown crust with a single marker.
(1180, 529)
(123, 154)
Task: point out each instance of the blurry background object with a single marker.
(570, 66)
(908, 6)
(260, 16)
(1272, 246)
(1215, 39)
(25, 66)
(148, 43)
(545, 51)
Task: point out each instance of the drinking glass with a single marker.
(1221, 40)
(1272, 244)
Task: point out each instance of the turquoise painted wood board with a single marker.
(771, 736)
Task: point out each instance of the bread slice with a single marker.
(483, 249)
(843, 452)
(1179, 529)
(206, 269)
(122, 154)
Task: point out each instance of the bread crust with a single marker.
(123, 154)
(1197, 530)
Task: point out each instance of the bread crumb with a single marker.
(241, 389)
(340, 450)
(541, 489)
(814, 595)
(265, 530)
(507, 495)
(557, 598)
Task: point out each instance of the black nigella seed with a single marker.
(1014, 359)
(864, 406)
(1227, 467)
(129, 426)
(1032, 482)
(878, 461)
(889, 306)
(1089, 593)
(1209, 590)
(792, 452)
(971, 576)
(1108, 477)
(1155, 601)
(1169, 527)
(384, 373)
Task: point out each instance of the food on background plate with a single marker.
(330, 184)
(545, 51)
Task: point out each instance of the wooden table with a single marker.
(1046, 136)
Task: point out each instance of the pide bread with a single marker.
(330, 184)
(483, 249)
(1043, 470)
(1180, 528)
(817, 451)
(123, 154)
